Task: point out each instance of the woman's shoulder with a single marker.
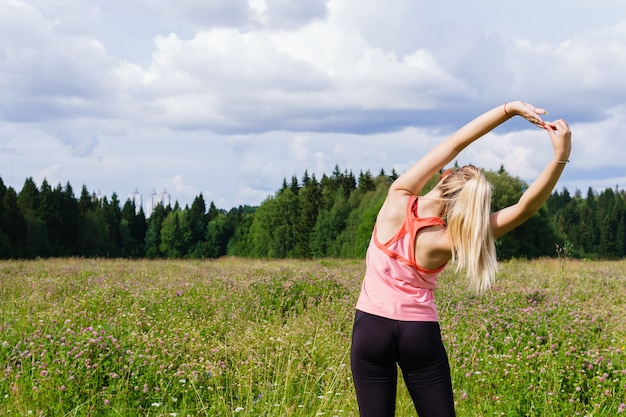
(391, 215)
(432, 247)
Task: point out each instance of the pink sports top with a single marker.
(394, 285)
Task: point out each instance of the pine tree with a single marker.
(309, 200)
(13, 225)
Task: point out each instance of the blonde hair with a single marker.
(467, 197)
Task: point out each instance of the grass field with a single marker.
(237, 337)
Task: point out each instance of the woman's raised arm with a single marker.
(414, 179)
(533, 198)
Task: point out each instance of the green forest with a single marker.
(306, 218)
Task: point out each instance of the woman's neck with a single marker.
(430, 204)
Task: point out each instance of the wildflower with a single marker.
(63, 388)
(106, 402)
(621, 408)
(155, 404)
(238, 409)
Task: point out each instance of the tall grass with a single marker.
(236, 337)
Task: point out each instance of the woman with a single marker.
(396, 321)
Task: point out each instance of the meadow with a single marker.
(235, 337)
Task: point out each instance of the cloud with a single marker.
(228, 98)
(586, 68)
(601, 145)
(286, 14)
(47, 75)
(223, 13)
(315, 78)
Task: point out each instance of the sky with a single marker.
(227, 98)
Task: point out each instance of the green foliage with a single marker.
(306, 219)
(13, 223)
(329, 225)
(263, 235)
(175, 235)
(241, 219)
(133, 231)
(535, 238)
(354, 239)
(218, 233)
(593, 226)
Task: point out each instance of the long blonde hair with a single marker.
(466, 195)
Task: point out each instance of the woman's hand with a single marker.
(527, 111)
(505, 220)
(561, 137)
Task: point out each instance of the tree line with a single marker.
(305, 218)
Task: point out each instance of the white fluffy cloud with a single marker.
(228, 98)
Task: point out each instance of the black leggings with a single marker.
(378, 344)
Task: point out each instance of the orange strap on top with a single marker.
(411, 227)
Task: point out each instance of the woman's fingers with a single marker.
(560, 136)
(531, 113)
(558, 125)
